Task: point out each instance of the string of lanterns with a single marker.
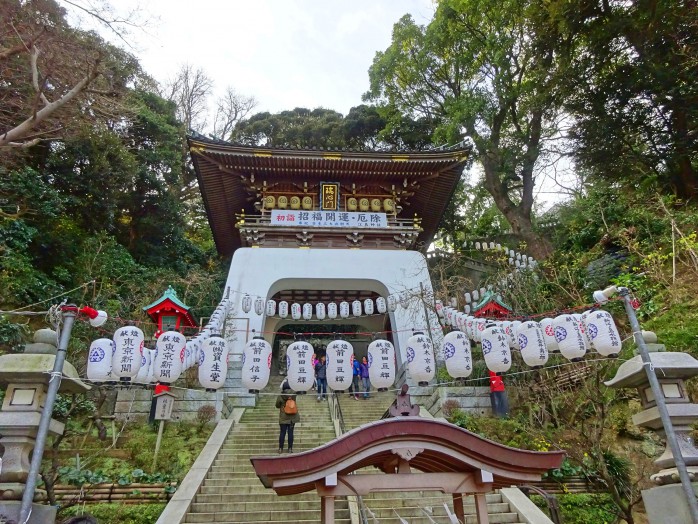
(332, 310)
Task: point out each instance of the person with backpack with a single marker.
(288, 416)
(321, 379)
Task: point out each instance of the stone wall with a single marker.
(472, 400)
(134, 404)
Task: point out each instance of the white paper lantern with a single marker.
(246, 303)
(513, 338)
(344, 309)
(299, 366)
(456, 353)
(169, 357)
(381, 305)
(368, 307)
(466, 309)
(126, 359)
(307, 311)
(213, 363)
(470, 327)
(332, 310)
(99, 360)
(468, 298)
(582, 328)
(143, 376)
(151, 379)
(569, 336)
(259, 305)
(381, 364)
(532, 344)
(283, 309)
(439, 306)
(271, 308)
(320, 310)
(495, 349)
(392, 303)
(420, 358)
(476, 295)
(296, 311)
(340, 358)
(602, 332)
(356, 308)
(479, 328)
(546, 324)
(449, 311)
(256, 364)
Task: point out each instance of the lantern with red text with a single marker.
(99, 360)
(256, 364)
(126, 359)
(546, 324)
(602, 332)
(340, 358)
(570, 338)
(479, 328)
(532, 344)
(299, 366)
(420, 358)
(495, 349)
(381, 364)
(169, 357)
(456, 353)
(213, 363)
(296, 311)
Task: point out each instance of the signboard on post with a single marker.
(164, 402)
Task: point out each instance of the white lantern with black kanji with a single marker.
(392, 303)
(143, 376)
(256, 364)
(602, 332)
(381, 364)
(307, 311)
(169, 357)
(570, 338)
(99, 360)
(532, 344)
(126, 359)
(582, 327)
(320, 310)
(213, 363)
(356, 308)
(299, 367)
(456, 353)
(344, 309)
(546, 324)
(283, 309)
(271, 308)
(332, 310)
(150, 378)
(514, 338)
(381, 305)
(368, 306)
(340, 358)
(296, 311)
(495, 349)
(420, 358)
(246, 303)
(259, 305)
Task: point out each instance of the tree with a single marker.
(190, 90)
(231, 108)
(477, 70)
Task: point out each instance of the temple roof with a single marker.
(222, 168)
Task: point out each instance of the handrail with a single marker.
(550, 500)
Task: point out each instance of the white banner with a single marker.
(280, 217)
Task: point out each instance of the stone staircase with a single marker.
(414, 507)
(232, 493)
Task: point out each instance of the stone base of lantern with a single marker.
(671, 475)
(667, 504)
(40, 513)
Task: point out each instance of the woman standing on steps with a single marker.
(364, 377)
(288, 416)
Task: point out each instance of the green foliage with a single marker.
(568, 469)
(118, 513)
(12, 336)
(583, 508)
(75, 405)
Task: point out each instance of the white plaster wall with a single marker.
(265, 271)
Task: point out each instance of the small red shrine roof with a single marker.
(494, 301)
(169, 299)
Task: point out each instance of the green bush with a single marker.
(118, 513)
(582, 508)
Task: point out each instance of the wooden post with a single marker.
(327, 510)
(481, 508)
(157, 444)
(458, 506)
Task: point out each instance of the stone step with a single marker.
(259, 507)
(266, 497)
(309, 515)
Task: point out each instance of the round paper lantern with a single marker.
(546, 324)
(213, 363)
(448, 314)
(99, 360)
(320, 310)
(381, 364)
(513, 338)
(368, 307)
(283, 309)
(392, 303)
(307, 311)
(150, 380)
(476, 295)
(271, 308)
(295, 311)
(381, 305)
(256, 364)
(439, 305)
(479, 328)
(143, 376)
(299, 366)
(495, 349)
(466, 310)
(602, 333)
(532, 344)
(420, 358)
(169, 357)
(259, 305)
(456, 353)
(340, 358)
(344, 309)
(246, 303)
(582, 327)
(470, 327)
(570, 338)
(468, 298)
(126, 358)
(332, 310)
(356, 308)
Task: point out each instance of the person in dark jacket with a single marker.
(364, 376)
(286, 420)
(355, 379)
(321, 379)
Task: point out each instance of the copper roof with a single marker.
(445, 448)
(221, 166)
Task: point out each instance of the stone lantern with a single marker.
(26, 377)
(672, 369)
